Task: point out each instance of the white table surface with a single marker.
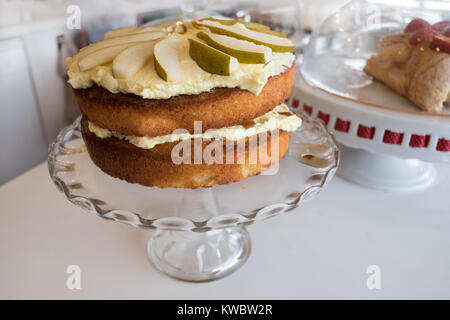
(320, 250)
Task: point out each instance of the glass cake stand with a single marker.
(200, 233)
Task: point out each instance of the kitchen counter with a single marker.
(320, 250)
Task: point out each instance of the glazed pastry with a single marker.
(416, 63)
(143, 91)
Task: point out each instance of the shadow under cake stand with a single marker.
(199, 234)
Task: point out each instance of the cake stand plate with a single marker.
(199, 234)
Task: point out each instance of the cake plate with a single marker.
(386, 141)
(200, 233)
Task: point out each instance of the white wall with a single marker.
(42, 51)
(22, 142)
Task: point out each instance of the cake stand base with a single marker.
(199, 256)
(384, 172)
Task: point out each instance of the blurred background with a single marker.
(35, 38)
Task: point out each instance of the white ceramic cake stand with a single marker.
(387, 142)
(383, 148)
(200, 234)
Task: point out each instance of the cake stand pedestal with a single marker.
(199, 234)
(385, 172)
(199, 256)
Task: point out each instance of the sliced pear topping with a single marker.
(101, 56)
(249, 25)
(132, 59)
(277, 44)
(133, 31)
(271, 32)
(212, 60)
(120, 32)
(244, 51)
(139, 37)
(152, 29)
(167, 62)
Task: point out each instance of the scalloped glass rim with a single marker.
(313, 155)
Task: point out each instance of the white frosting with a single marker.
(275, 119)
(147, 84)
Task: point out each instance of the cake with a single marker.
(186, 106)
(416, 63)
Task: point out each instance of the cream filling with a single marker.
(147, 84)
(279, 118)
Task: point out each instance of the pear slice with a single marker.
(152, 29)
(277, 44)
(167, 64)
(212, 60)
(132, 31)
(101, 56)
(271, 32)
(244, 51)
(229, 22)
(249, 25)
(120, 32)
(132, 59)
(139, 37)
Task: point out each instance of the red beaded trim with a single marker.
(342, 125)
(366, 132)
(392, 137)
(443, 145)
(325, 117)
(308, 109)
(419, 141)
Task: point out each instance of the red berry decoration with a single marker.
(440, 44)
(446, 32)
(416, 25)
(441, 26)
(421, 36)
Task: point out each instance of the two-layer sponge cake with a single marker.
(191, 105)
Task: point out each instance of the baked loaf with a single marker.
(416, 64)
(186, 106)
